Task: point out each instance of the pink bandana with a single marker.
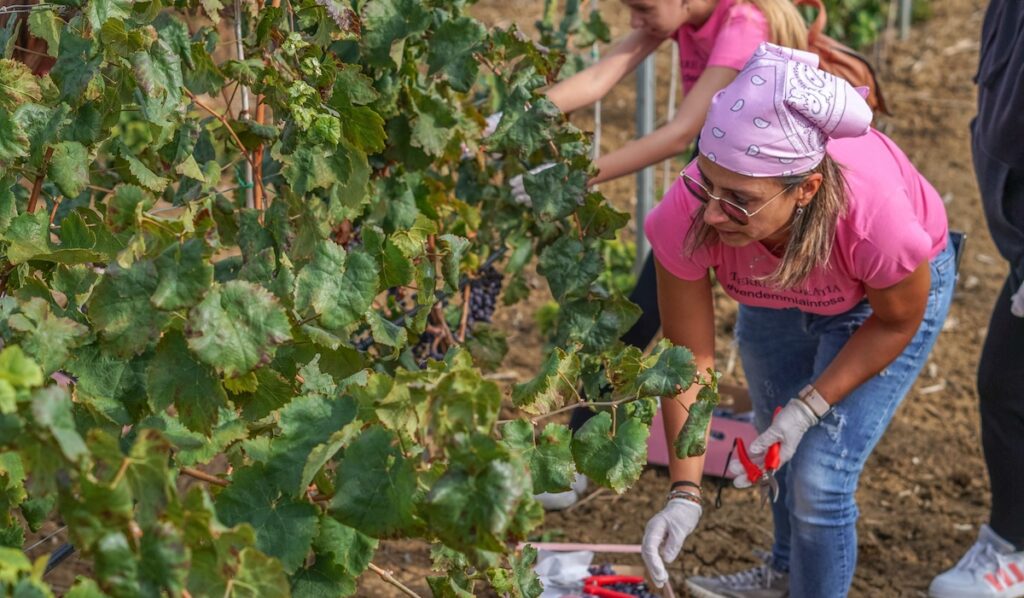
(776, 117)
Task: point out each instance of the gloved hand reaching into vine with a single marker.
(665, 534)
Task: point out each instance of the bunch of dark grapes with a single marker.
(428, 347)
(483, 294)
(363, 340)
(633, 589)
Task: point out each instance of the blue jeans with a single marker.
(785, 349)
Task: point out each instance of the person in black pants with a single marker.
(994, 566)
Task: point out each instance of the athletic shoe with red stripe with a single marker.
(991, 568)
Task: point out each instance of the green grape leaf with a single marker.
(386, 22)
(109, 386)
(520, 581)
(121, 311)
(433, 126)
(342, 553)
(18, 369)
(308, 169)
(122, 41)
(473, 504)
(46, 25)
(305, 422)
(51, 408)
(465, 402)
(184, 275)
(451, 51)
(146, 177)
(379, 486)
(612, 460)
(237, 327)
(99, 11)
(28, 236)
(363, 127)
(455, 248)
(177, 378)
(272, 392)
(488, 346)
(48, 338)
(522, 130)
(672, 374)
(352, 87)
(258, 576)
(13, 140)
(285, 527)
(123, 206)
(77, 64)
(338, 286)
(599, 219)
(555, 192)
(595, 324)
(552, 386)
(570, 267)
(149, 475)
(550, 456)
(158, 73)
(17, 85)
(692, 439)
(69, 167)
(384, 332)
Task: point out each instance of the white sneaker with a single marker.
(758, 582)
(990, 568)
(556, 501)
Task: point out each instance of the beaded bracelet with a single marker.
(684, 483)
(686, 496)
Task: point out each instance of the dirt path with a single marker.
(924, 491)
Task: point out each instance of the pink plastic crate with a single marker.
(724, 430)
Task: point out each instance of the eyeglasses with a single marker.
(735, 212)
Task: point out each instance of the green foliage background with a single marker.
(196, 332)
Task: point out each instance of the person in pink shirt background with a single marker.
(838, 252)
(716, 37)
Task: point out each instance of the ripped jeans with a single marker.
(782, 351)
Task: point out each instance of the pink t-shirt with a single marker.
(894, 221)
(728, 38)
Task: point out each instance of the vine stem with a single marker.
(202, 475)
(37, 186)
(227, 125)
(391, 580)
(581, 403)
(465, 314)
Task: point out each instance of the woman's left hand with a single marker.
(789, 426)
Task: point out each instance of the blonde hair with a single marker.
(812, 232)
(786, 27)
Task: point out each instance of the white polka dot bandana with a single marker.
(777, 116)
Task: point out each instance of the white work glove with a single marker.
(492, 124)
(665, 534)
(518, 189)
(1017, 302)
(789, 427)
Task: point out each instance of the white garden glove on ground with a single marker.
(519, 193)
(789, 427)
(1017, 302)
(665, 534)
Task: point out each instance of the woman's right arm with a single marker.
(591, 84)
(688, 320)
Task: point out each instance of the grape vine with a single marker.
(289, 303)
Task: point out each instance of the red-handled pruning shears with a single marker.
(592, 585)
(765, 479)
